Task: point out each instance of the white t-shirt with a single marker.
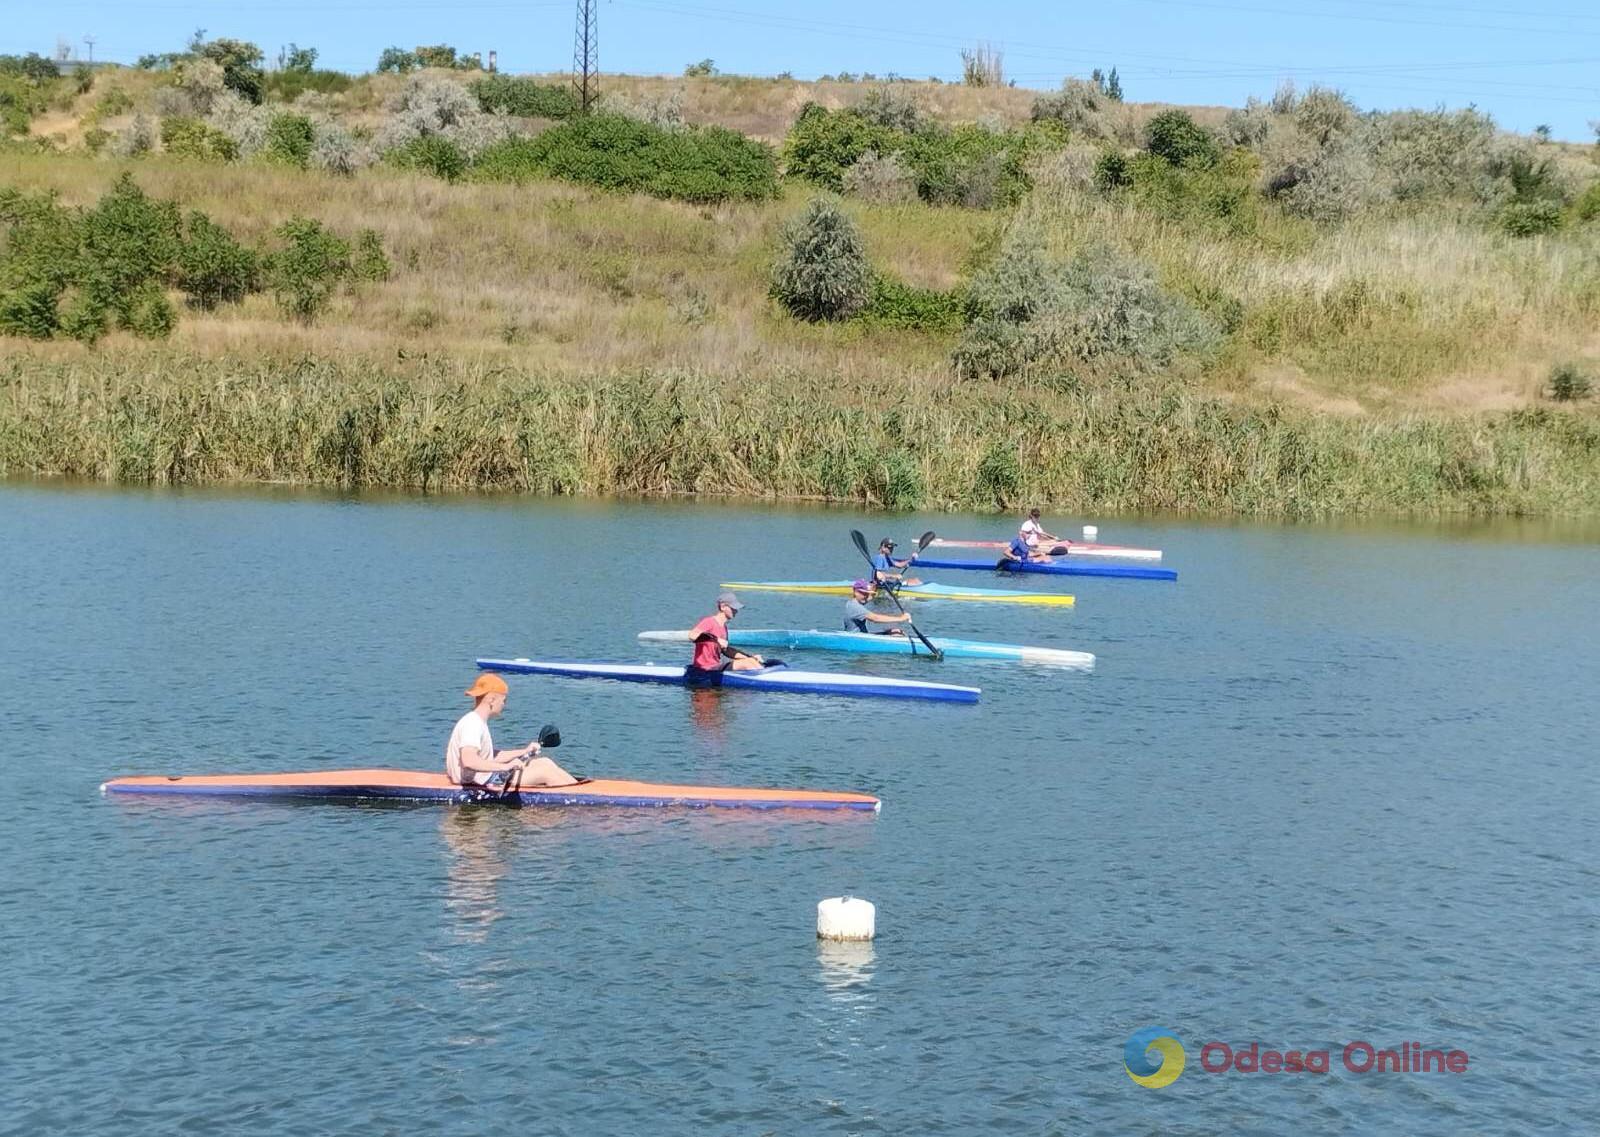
(470, 731)
(1030, 532)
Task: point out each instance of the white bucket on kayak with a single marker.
(846, 918)
(1090, 532)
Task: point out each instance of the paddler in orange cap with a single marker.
(470, 758)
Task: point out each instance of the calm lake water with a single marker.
(1337, 784)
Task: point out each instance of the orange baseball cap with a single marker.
(487, 684)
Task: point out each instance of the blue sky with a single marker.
(1525, 64)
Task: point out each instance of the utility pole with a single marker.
(89, 42)
(586, 55)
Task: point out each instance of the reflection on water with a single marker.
(707, 712)
(845, 971)
(477, 863)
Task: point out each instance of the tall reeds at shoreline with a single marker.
(155, 418)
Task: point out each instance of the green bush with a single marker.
(146, 312)
(702, 70)
(524, 97)
(823, 144)
(1431, 153)
(1029, 314)
(74, 271)
(286, 86)
(185, 137)
(114, 102)
(398, 60)
(697, 164)
(1223, 194)
(1587, 207)
(1530, 218)
(240, 62)
(894, 304)
(371, 263)
(822, 272)
(84, 318)
(212, 267)
(1178, 140)
(304, 273)
(433, 154)
(1570, 383)
(127, 244)
(29, 310)
(1112, 171)
(31, 66)
(968, 166)
(443, 55)
(888, 107)
(20, 99)
(965, 165)
(289, 140)
(883, 180)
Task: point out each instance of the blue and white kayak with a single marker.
(910, 591)
(779, 678)
(1054, 568)
(867, 643)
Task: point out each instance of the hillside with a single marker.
(1414, 305)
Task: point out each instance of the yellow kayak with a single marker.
(910, 591)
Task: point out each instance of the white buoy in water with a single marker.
(1090, 532)
(846, 918)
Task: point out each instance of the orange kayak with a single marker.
(416, 785)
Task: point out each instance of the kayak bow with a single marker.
(907, 591)
(780, 678)
(867, 643)
(414, 785)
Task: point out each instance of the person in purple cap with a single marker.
(857, 615)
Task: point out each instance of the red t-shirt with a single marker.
(707, 651)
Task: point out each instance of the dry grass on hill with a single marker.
(546, 276)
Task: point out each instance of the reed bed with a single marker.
(149, 418)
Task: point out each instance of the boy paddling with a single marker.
(712, 654)
(1032, 535)
(857, 616)
(470, 758)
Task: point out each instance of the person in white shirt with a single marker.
(470, 758)
(1034, 536)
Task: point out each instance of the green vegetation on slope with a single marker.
(1293, 270)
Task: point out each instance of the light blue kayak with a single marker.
(866, 643)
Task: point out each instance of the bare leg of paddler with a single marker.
(543, 772)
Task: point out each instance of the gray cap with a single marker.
(730, 600)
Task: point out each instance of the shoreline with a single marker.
(152, 417)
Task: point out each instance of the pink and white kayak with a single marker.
(1071, 549)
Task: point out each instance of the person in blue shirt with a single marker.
(887, 570)
(859, 618)
(1018, 550)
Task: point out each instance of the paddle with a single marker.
(922, 543)
(549, 739)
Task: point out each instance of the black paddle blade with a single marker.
(926, 539)
(549, 736)
(860, 543)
